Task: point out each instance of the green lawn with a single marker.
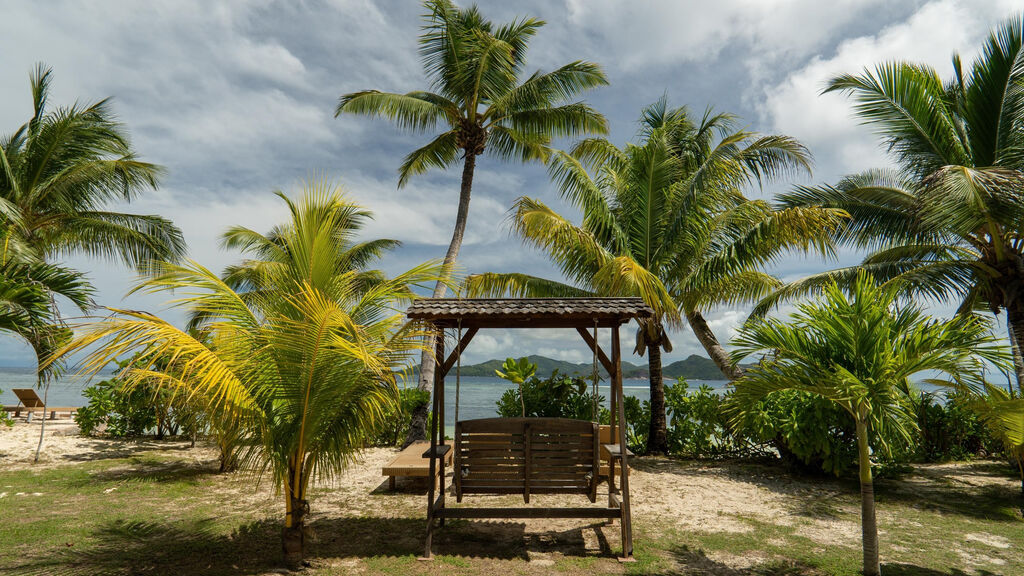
(169, 512)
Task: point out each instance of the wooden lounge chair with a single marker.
(30, 401)
(410, 462)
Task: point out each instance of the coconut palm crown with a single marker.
(483, 103)
(947, 221)
(60, 173)
(665, 219)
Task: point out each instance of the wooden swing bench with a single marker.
(494, 456)
(527, 456)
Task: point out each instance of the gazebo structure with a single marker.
(529, 455)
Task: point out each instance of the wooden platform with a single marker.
(410, 462)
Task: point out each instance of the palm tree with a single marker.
(1003, 413)
(665, 220)
(947, 221)
(303, 358)
(860, 351)
(479, 97)
(59, 174)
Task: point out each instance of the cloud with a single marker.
(825, 123)
(647, 35)
(237, 100)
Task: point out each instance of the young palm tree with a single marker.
(665, 220)
(481, 99)
(860, 351)
(302, 359)
(59, 174)
(948, 221)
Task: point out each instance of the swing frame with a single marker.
(581, 314)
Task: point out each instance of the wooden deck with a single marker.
(410, 462)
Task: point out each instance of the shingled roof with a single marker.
(528, 312)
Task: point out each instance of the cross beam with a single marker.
(589, 339)
(447, 365)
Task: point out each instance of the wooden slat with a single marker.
(529, 513)
(519, 490)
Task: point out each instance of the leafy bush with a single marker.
(638, 423)
(396, 422)
(951, 430)
(698, 426)
(558, 396)
(125, 413)
(807, 431)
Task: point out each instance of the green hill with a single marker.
(693, 368)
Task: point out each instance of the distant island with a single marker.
(693, 368)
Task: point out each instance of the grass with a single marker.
(165, 512)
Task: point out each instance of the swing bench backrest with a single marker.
(527, 456)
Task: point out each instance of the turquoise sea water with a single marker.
(478, 395)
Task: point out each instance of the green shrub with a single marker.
(638, 423)
(125, 413)
(396, 423)
(950, 430)
(698, 426)
(558, 396)
(807, 431)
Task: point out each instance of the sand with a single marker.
(62, 444)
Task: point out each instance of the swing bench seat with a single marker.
(527, 456)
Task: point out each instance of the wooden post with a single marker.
(439, 391)
(613, 420)
(432, 466)
(626, 521)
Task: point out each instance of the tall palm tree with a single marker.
(303, 358)
(665, 219)
(947, 221)
(860, 351)
(480, 98)
(61, 172)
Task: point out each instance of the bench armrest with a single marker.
(442, 451)
(612, 451)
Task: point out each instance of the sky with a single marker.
(237, 100)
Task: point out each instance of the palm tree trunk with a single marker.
(657, 435)
(1015, 325)
(293, 535)
(869, 524)
(418, 425)
(715, 350)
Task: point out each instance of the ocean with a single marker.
(478, 397)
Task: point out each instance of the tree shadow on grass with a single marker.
(143, 469)
(107, 448)
(914, 570)
(691, 561)
(204, 547)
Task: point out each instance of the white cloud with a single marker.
(825, 123)
(650, 34)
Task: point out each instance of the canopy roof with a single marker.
(528, 312)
